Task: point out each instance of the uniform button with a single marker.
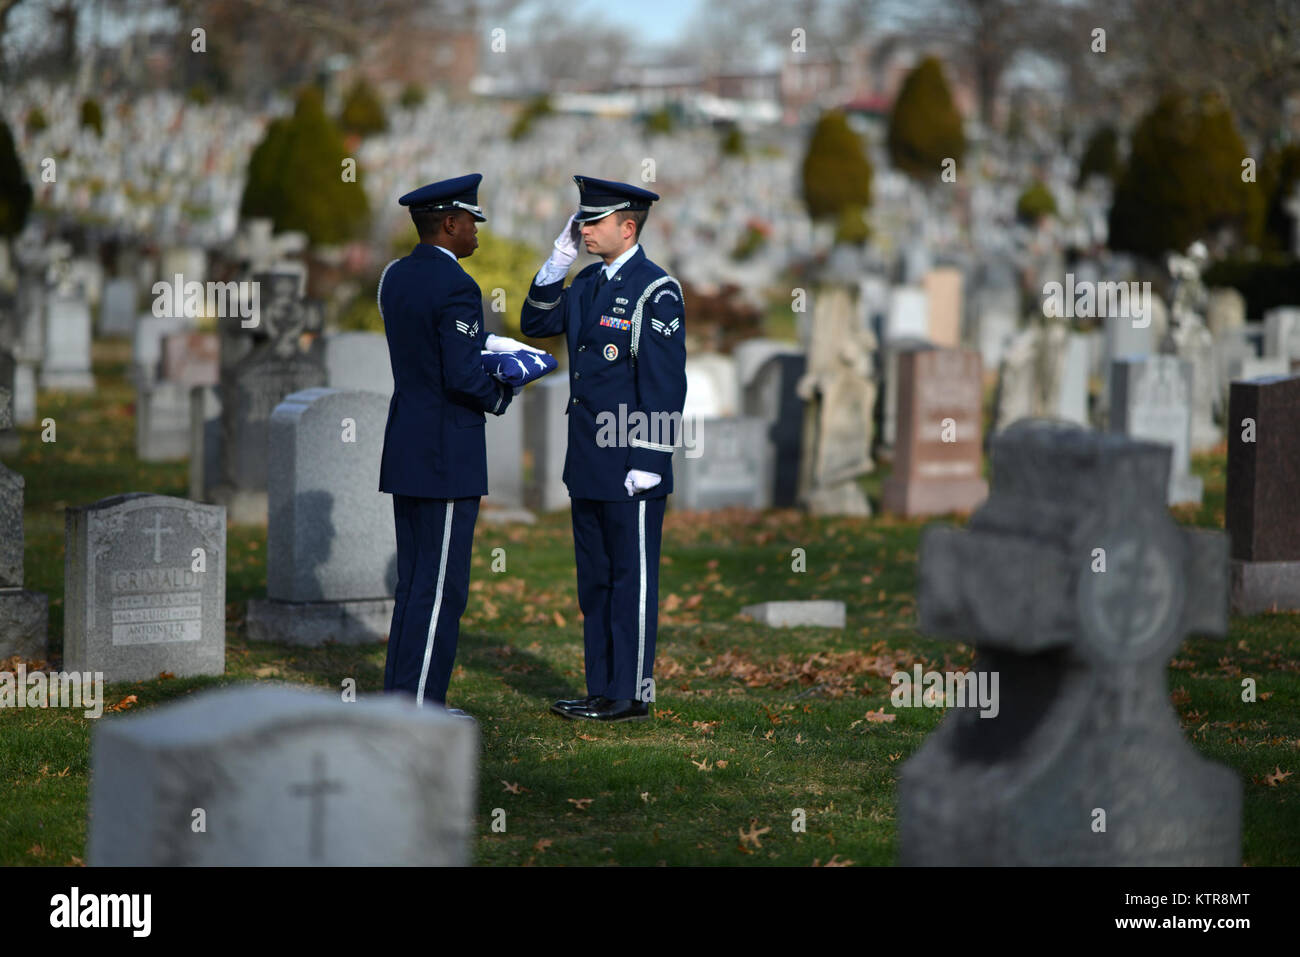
(577, 375)
(575, 400)
(582, 348)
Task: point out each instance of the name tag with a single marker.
(622, 325)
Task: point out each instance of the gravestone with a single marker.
(1151, 399)
(10, 443)
(359, 361)
(1282, 334)
(839, 389)
(286, 777)
(797, 614)
(889, 406)
(1044, 375)
(145, 587)
(504, 436)
(66, 363)
(24, 400)
(546, 436)
(147, 344)
(996, 316)
(1193, 342)
(1262, 510)
(1232, 349)
(1083, 725)
(1251, 367)
(725, 468)
(205, 440)
(712, 387)
(24, 615)
(191, 358)
(908, 316)
(1225, 310)
(944, 298)
(331, 551)
(278, 364)
(162, 422)
(772, 397)
(752, 354)
(938, 456)
(117, 308)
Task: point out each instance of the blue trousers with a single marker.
(616, 550)
(435, 538)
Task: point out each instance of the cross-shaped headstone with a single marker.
(1076, 587)
(157, 532)
(317, 789)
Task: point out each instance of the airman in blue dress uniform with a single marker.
(435, 459)
(623, 320)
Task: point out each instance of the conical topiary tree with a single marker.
(1100, 155)
(295, 177)
(362, 112)
(836, 171)
(925, 128)
(1183, 179)
(15, 191)
(92, 116)
(1035, 203)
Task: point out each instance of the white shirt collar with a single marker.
(448, 252)
(612, 269)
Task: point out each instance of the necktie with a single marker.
(601, 279)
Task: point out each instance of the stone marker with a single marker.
(1262, 511)
(1083, 724)
(24, 615)
(943, 296)
(147, 344)
(772, 396)
(205, 440)
(1282, 333)
(117, 307)
(1044, 374)
(331, 551)
(797, 614)
(938, 455)
(191, 358)
(504, 435)
(284, 777)
(10, 444)
(252, 388)
(162, 422)
(1151, 398)
(546, 434)
(724, 469)
(1250, 367)
(1225, 310)
(135, 602)
(358, 361)
(908, 316)
(66, 363)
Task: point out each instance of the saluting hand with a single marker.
(566, 244)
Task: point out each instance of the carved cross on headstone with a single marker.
(1076, 587)
(157, 532)
(317, 789)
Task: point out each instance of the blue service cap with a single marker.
(458, 193)
(597, 198)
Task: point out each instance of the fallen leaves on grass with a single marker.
(127, 702)
(581, 803)
(515, 788)
(705, 728)
(755, 832)
(835, 674)
(542, 844)
(833, 862)
(1277, 777)
(702, 765)
(875, 717)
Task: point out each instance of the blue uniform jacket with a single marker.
(627, 349)
(433, 318)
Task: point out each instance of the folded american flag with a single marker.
(518, 368)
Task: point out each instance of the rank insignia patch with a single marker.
(467, 329)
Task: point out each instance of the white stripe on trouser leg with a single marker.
(640, 617)
(437, 605)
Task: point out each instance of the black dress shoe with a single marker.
(566, 707)
(604, 709)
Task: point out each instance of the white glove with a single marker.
(566, 244)
(638, 481)
(496, 343)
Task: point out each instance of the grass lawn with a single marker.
(750, 724)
